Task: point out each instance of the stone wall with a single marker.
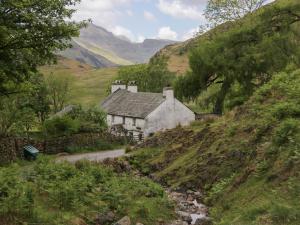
(11, 148)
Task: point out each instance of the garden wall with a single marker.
(11, 147)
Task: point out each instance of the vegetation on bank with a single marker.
(46, 192)
(247, 161)
(230, 66)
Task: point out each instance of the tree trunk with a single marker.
(219, 104)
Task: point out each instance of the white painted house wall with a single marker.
(168, 115)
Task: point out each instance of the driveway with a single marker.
(95, 156)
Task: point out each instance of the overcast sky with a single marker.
(140, 19)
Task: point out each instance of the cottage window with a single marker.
(134, 121)
(123, 119)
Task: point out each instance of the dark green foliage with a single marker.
(59, 193)
(244, 57)
(98, 146)
(286, 131)
(150, 78)
(92, 119)
(31, 32)
(247, 161)
(61, 126)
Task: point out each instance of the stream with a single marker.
(188, 208)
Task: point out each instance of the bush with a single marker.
(61, 126)
(58, 193)
(286, 131)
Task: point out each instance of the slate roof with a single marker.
(137, 105)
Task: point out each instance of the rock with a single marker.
(185, 216)
(105, 218)
(139, 224)
(203, 221)
(178, 222)
(124, 221)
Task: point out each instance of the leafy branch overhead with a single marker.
(244, 57)
(31, 32)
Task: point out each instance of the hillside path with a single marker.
(95, 156)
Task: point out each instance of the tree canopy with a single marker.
(150, 78)
(31, 32)
(245, 56)
(220, 11)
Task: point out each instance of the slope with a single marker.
(88, 85)
(247, 162)
(100, 48)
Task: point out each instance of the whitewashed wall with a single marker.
(168, 115)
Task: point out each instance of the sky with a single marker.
(140, 19)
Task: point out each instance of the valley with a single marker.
(119, 131)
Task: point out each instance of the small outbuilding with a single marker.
(30, 152)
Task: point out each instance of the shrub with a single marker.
(285, 131)
(60, 126)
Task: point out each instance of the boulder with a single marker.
(105, 218)
(203, 221)
(178, 222)
(185, 216)
(124, 221)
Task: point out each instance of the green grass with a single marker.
(45, 192)
(106, 54)
(247, 162)
(89, 86)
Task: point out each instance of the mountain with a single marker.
(100, 48)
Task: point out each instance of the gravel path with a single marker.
(95, 156)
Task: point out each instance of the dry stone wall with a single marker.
(11, 148)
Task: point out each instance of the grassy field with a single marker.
(88, 85)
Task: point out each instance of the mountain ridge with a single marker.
(99, 47)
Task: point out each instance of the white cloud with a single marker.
(190, 34)
(149, 16)
(129, 12)
(140, 38)
(122, 31)
(167, 33)
(188, 9)
(102, 12)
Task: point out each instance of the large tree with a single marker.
(220, 11)
(245, 56)
(31, 32)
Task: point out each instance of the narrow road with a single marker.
(95, 156)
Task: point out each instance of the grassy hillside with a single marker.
(88, 85)
(112, 57)
(47, 192)
(247, 162)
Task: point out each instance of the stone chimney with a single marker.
(118, 84)
(168, 93)
(132, 87)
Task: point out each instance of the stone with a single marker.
(178, 222)
(203, 221)
(185, 216)
(139, 224)
(105, 218)
(124, 221)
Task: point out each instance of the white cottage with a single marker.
(141, 114)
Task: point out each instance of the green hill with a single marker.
(247, 161)
(88, 85)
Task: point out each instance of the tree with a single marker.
(244, 56)
(38, 99)
(220, 11)
(31, 32)
(58, 88)
(152, 77)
